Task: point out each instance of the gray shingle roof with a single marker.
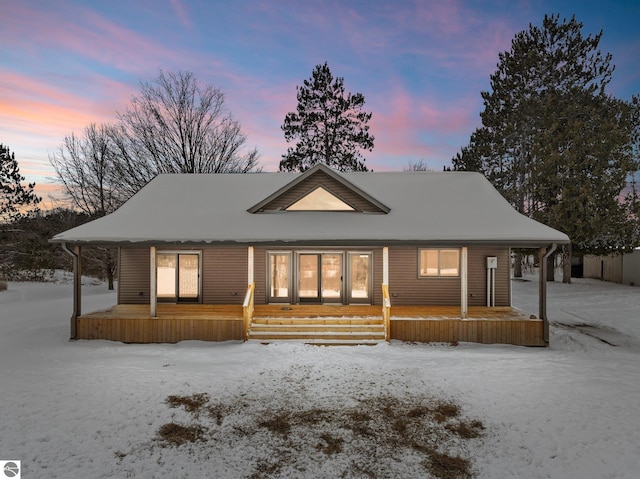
(425, 207)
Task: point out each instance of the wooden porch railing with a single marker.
(386, 311)
(247, 309)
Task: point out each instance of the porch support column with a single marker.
(463, 282)
(543, 255)
(250, 265)
(153, 289)
(77, 282)
(77, 290)
(76, 254)
(385, 265)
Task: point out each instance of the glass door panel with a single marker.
(188, 276)
(279, 276)
(166, 276)
(178, 277)
(359, 281)
(332, 277)
(308, 277)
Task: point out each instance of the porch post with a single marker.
(250, 265)
(385, 265)
(77, 290)
(542, 289)
(463, 282)
(153, 290)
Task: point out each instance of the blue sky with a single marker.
(421, 65)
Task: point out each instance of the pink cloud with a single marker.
(36, 116)
(180, 10)
(82, 31)
(31, 104)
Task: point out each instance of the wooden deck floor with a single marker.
(453, 312)
(234, 312)
(178, 322)
(170, 311)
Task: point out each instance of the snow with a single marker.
(92, 409)
(445, 207)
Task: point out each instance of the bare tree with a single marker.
(419, 165)
(85, 168)
(176, 125)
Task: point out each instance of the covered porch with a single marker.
(158, 322)
(330, 324)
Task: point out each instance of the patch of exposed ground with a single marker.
(364, 439)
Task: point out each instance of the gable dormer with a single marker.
(320, 189)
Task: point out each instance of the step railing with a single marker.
(247, 309)
(386, 311)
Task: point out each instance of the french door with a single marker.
(342, 277)
(320, 277)
(178, 276)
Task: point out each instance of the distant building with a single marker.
(617, 268)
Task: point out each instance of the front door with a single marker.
(320, 277)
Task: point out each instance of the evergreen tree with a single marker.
(553, 142)
(330, 126)
(15, 197)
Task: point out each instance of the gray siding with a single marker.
(224, 274)
(134, 280)
(477, 271)
(377, 276)
(260, 274)
(406, 288)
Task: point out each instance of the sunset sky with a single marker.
(420, 65)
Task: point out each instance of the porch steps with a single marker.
(318, 330)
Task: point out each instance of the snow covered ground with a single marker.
(93, 409)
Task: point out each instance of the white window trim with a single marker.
(439, 275)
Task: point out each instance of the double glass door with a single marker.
(320, 277)
(178, 277)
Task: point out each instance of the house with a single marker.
(321, 256)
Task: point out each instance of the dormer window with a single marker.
(319, 200)
(319, 189)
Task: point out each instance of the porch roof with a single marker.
(424, 207)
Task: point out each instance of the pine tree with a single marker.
(553, 142)
(15, 197)
(330, 126)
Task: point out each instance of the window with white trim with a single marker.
(435, 263)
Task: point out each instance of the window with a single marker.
(439, 262)
(319, 200)
(279, 276)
